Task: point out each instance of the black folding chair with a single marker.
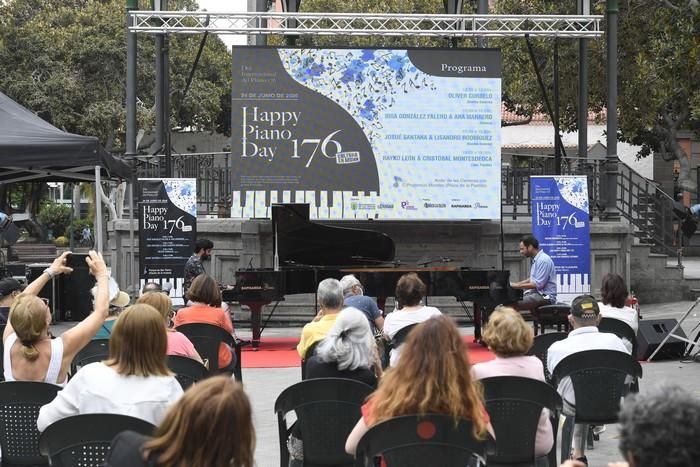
(327, 409)
(421, 440)
(84, 440)
(551, 315)
(514, 405)
(396, 341)
(541, 345)
(621, 330)
(20, 402)
(206, 339)
(95, 351)
(187, 370)
(598, 378)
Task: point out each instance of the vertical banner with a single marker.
(167, 229)
(560, 222)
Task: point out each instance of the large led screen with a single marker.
(367, 133)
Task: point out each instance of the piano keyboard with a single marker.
(570, 286)
(323, 204)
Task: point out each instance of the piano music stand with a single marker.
(670, 334)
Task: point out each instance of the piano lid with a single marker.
(302, 242)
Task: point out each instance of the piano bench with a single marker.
(551, 315)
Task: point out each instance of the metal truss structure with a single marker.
(363, 24)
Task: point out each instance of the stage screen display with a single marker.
(367, 133)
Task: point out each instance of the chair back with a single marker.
(310, 352)
(187, 370)
(2, 350)
(514, 405)
(206, 339)
(84, 440)
(541, 345)
(420, 440)
(327, 409)
(20, 402)
(95, 351)
(598, 379)
(620, 329)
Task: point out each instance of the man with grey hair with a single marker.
(353, 294)
(584, 318)
(330, 302)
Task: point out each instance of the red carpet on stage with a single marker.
(281, 352)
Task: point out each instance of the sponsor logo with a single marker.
(435, 205)
(386, 206)
(362, 206)
(460, 205)
(480, 206)
(408, 206)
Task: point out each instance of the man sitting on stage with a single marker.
(353, 297)
(540, 288)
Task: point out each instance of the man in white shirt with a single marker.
(584, 318)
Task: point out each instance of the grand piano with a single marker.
(305, 253)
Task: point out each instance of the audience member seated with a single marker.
(151, 287)
(116, 306)
(9, 289)
(134, 381)
(205, 297)
(211, 425)
(330, 301)
(509, 337)
(614, 292)
(409, 294)
(178, 343)
(432, 377)
(584, 318)
(353, 295)
(348, 351)
(30, 354)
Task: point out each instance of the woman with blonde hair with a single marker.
(134, 381)
(29, 353)
(432, 377)
(178, 343)
(509, 337)
(210, 426)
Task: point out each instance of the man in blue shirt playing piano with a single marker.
(540, 288)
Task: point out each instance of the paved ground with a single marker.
(264, 385)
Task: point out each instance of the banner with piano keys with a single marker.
(367, 133)
(167, 230)
(561, 224)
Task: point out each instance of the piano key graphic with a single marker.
(324, 204)
(176, 284)
(576, 284)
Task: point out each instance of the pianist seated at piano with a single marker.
(410, 291)
(541, 288)
(330, 302)
(205, 297)
(353, 296)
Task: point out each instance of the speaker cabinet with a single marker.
(77, 298)
(650, 334)
(53, 290)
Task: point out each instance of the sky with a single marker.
(226, 6)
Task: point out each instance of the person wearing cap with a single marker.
(541, 288)
(583, 317)
(29, 353)
(9, 289)
(116, 306)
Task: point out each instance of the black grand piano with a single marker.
(305, 253)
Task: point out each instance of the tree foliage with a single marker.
(67, 62)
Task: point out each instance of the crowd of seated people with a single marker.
(433, 374)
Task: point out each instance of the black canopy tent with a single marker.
(32, 149)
